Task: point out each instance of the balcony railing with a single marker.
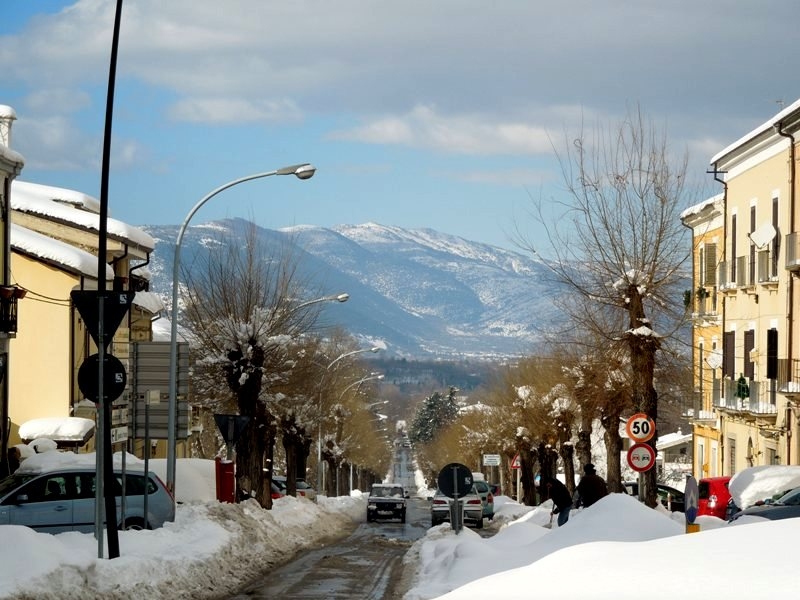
(761, 401)
(793, 251)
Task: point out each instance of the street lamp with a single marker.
(302, 171)
(319, 426)
(343, 297)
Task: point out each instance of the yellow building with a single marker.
(54, 240)
(754, 412)
(707, 224)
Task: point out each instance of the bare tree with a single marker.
(241, 305)
(619, 246)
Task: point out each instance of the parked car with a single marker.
(713, 496)
(386, 501)
(471, 506)
(670, 497)
(785, 507)
(277, 489)
(487, 498)
(303, 489)
(63, 499)
(495, 487)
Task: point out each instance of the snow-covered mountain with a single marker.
(420, 292)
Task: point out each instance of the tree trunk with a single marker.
(643, 357)
(583, 447)
(567, 452)
(290, 438)
(613, 443)
(527, 460)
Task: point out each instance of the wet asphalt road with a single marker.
(366, 565)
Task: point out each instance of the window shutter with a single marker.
(711, 265)
(772, 353)
(728, 356)
(749, 344)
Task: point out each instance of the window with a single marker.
(733, 249)
(732, 455)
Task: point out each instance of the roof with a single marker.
(76, 208)
(764, 127)
(67, 431)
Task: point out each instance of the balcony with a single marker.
(761, 402)
(793, 251)
(9, 295)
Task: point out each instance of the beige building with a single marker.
(754, 414)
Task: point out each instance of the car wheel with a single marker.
(134, 525)
(403, 517)
(479, 524)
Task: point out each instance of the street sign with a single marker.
(114, 378)
(640, 427)
(454, 480)
(515, 464)
(231, 427)
(115, 306)
(641, 457)
(691, 495)
(491, 460)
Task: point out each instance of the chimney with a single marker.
(7, 116)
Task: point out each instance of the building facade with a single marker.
(745, 348)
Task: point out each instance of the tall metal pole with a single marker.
(104, 457)
(301, 171)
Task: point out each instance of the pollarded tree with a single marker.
(619, 245)
(244, 317)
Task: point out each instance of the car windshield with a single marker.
(12, 482)
(302, 485)
(791, 498)
(387, 492)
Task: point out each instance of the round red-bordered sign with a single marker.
(641, 457)
(640, 427)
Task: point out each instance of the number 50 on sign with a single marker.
(640, 428)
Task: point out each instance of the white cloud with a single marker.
(232, 110)
(425, 127)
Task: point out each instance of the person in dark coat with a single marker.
(591, 487)
(551, 488)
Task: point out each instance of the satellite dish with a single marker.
(763, 235)
(714, 360)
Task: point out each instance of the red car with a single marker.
(713, 496)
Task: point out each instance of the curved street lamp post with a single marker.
(319, 426)
(301, 171)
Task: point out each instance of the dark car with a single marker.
(669, 497)
(785, 507)
(386, 501)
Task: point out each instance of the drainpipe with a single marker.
(723, 300)
(790, 292)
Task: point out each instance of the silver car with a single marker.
(471, 506)
(63, 499)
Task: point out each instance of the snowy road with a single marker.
(367, 564)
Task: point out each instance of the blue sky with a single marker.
(416, 114)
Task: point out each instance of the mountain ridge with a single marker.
(419, 292)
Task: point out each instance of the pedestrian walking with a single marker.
(591, 487)
(551, 488)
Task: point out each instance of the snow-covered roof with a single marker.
(670, 440)
(767, 125)
(69, 206)
(699, 207)
(149, 301)
(61, 429)
(56, 252)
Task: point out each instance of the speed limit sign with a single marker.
(640, 428)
